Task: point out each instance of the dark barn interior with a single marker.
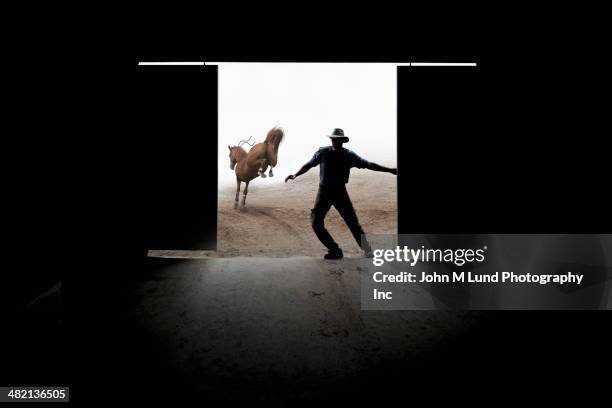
(484, 147)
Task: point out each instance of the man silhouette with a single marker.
(336, 163)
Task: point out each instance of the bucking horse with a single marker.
(254, 163)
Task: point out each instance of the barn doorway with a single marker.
(307, 101)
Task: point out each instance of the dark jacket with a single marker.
(336, 165)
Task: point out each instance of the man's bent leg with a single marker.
(323, 203)
(345, 207)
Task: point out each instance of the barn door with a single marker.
(178, 145)
(440, 145)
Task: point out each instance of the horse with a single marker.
(254, 163)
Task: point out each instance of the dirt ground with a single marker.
(292, 327)
(275, 222)
(266, 312)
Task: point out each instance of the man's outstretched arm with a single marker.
(378, 167)
(301, 171)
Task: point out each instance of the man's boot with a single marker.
(334, 254)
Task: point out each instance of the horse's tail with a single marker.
(273, 139)
(275, 136)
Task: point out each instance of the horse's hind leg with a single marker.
(244, 194)
(272, 157)
(237, 193)
(262, 168)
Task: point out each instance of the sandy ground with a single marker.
(275, 222)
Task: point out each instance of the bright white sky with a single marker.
(308, 101)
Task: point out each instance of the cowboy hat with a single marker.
(338, 134)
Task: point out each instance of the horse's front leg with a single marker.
(237, 193)
(270, 172)
(244, 194)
